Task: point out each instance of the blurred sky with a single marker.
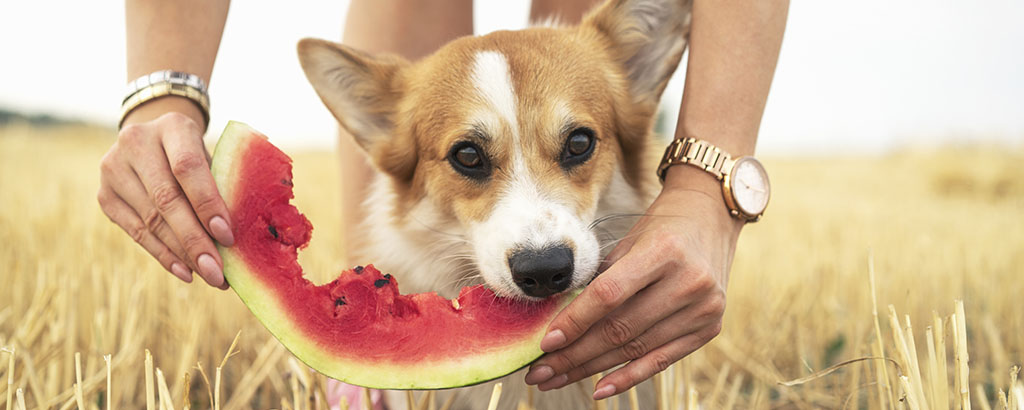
(854, 76)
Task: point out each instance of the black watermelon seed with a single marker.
(287, 182)
(387, 276)
(380, 283)
(339, 302)
(273, 230)
(358, 269)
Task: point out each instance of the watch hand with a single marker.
(752, 188)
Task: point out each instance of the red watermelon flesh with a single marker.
(358, 328)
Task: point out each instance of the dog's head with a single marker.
(514, 136)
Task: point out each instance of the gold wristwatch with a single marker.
(745, 185)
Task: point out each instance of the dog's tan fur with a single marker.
(605, 74)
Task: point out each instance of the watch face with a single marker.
(750, 188)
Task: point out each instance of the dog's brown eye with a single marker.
(578, 144)
(469, 159)
(468, 156)
(578, 148)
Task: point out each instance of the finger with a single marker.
(680, 324)
(169, 199)
(122, 180)
(652, 363)
(691, 293)
(124, 216)
(187, 157)
(623, 325)
(604, 294)
(126, 185)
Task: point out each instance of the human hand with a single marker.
(661, 298)
(156, 184)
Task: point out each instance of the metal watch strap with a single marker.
(151, 92)
(698, 153)
(164, 76)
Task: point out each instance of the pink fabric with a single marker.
(354, 394)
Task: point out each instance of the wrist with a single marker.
(153, 109)
(697, 189)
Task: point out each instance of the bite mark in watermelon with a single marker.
(358, 328)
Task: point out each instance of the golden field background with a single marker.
(940, 225)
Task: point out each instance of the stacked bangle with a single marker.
(163, 83)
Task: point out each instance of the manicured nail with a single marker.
(211, 272)
(554, 383)
(221, 231)
(539, 374)
(552, 341)
(181, 272)
(605, 392)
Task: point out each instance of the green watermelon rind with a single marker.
(449, 373)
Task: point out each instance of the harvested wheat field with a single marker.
(860, 267)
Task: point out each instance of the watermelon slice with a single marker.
(358, 328)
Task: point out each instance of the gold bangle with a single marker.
(161, 89)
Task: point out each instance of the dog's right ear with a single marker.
(359, 89)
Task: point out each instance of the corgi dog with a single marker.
(503, 158)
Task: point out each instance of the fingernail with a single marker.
(539, 374)
(211, 272)
(605, 392)
(221, 231)
(552, 341)
(181, 272)
(554, 383)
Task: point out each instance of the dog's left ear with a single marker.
(648, 38)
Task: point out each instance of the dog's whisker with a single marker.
(615, 241)
(436, 230)
(614, 216)
(611, 217)
(610, 244)
(603, 234)
(446, 246)
(462, 281)
(450, 255)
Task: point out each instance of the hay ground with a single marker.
(942, 225)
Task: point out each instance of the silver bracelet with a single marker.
(165, 76)
(152, 92)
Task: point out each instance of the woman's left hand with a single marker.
(661, 297)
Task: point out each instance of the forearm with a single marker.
(734, 47)
(562, 11)
(180, 35)
(411, 29)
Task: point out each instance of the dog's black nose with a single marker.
(542, 272)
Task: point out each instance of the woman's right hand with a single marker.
(156, 184)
